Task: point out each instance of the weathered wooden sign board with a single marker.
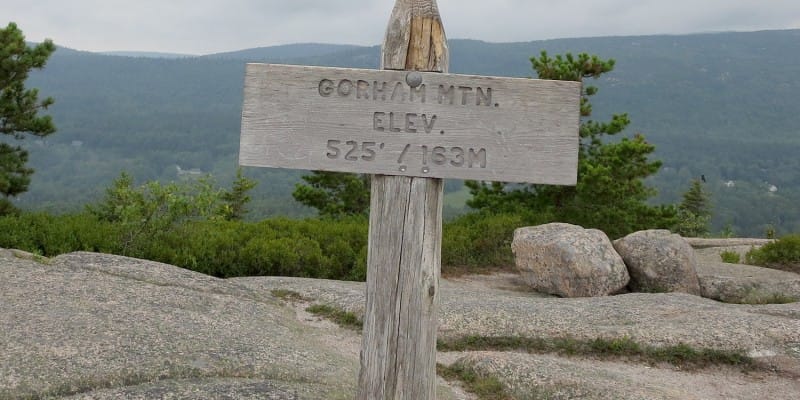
(410, 123)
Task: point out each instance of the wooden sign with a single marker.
(410, 123)
(409, 129)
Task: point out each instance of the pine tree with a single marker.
(694, 212)
(335, 194)
(235, 200)
(696, 200)
(610, 194)
(19, 109)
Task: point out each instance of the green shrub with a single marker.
(287, 256)
(51, 235)
(210, 247)
(147, 211)
(781, 254)
(305, 248)
(730, 257)
(359, 271)
(480, 240)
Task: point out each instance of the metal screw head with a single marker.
(414, 79)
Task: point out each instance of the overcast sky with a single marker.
(208, 26)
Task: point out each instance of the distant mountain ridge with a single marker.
(146, 54)
(283, 51)
(721, 105)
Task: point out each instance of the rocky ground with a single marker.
(90, 326)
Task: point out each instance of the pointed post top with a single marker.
(415, 38)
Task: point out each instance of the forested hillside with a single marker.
(715, 105)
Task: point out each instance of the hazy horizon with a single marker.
(207, 27)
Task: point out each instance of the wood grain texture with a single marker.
(415, 38)
(527, 127)
(398, 351)
(429, 50)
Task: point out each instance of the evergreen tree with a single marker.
(610, 194)
(335, 194)
(19, 109)
(235, 200)
(694, 212)
(696, 200)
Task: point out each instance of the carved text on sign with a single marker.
(399, 122)
(427, 156)
(402, 92)
(410, 123)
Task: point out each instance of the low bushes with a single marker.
(479, 240)
(781, 254)
(50, 235)
(307, 248)
(279, 247)
(314, 248)
(730, 257)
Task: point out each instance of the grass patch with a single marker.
(685, 355)
(40, 259)
(342, 318)
(615, 347)
(681, 355)
(485, 386)
(35, 257)
(287, 295)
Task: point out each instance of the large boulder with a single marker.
(568, 261)
(659, 261)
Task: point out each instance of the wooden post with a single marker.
(398, 351)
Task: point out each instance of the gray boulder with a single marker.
(659, 261)
(736, 283)
(568, 261)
